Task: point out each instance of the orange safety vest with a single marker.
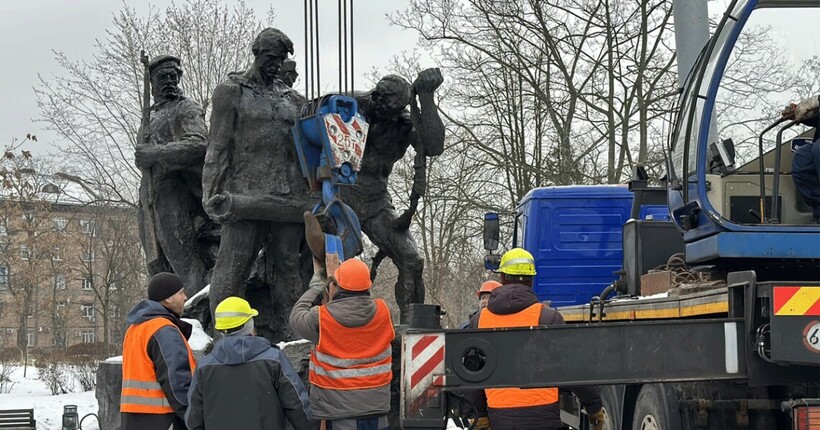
(503, 398)
(141, 392)
(353, 358)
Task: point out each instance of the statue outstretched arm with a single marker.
(427, 137)
(427, 123)
(220, 140)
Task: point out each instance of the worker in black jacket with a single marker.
(514, 304)
(806, 160)
(245, 383)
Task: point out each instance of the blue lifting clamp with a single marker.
(330, 139)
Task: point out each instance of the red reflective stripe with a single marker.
(782, 295)
(419, 347)
(428, 367)
(814, 310)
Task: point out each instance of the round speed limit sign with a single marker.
(811, 336)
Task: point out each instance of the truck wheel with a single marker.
(612, 408)
(650, 413)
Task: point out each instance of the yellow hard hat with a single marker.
(517, 262)
(233, 312)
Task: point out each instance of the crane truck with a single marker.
(735, 344)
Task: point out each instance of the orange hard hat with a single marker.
(487, 287)
(353, 275)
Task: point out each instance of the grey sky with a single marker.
(31, 29)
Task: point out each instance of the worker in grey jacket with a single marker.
(245, 383)
(350, 364)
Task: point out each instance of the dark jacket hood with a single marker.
(511, 298)
(148, 309)
(233, 350)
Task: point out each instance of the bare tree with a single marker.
(544, 86)
(28, 240)
(94, 104)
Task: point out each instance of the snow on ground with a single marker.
(30, 393)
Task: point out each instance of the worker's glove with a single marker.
(481, 423)
(806, 108)
(596, 420)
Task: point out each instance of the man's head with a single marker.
(165, 73)
(234, 317)
(517, 267)
(483, 293)
(353, 275)
(391, 96)
(270, 49)
(288, 73)
(168, 289)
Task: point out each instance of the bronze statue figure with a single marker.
(170, 152)
(288, 73)
(252, 184)
(392, 130)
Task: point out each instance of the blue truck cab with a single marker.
(575, 234)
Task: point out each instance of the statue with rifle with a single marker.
(175, 232)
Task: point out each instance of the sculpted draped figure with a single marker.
(252, 184)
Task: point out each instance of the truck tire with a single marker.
(650, 410)
(612, 407)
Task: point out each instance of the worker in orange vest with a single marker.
(483, 295)
(350, 364)
(157, 363)
(514, 304)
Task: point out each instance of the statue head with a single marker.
(165, 74)
(391, 96)
(288, 73)
(270, 49)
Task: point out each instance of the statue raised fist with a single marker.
(428, 81)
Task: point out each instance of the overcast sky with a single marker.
(31, 29)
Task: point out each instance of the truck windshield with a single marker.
(776, 61)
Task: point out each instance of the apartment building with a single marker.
(69, 270)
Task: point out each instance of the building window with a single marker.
(88, 336)
(56, 254)
(4, 278)
(4, 231)
(87, 256)
(88, 285)
(87, 311)
(59, 224)
(88, 227)
(24, 253)
(60, 308)
(31, 340)
(28, 217)
(59, 281)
